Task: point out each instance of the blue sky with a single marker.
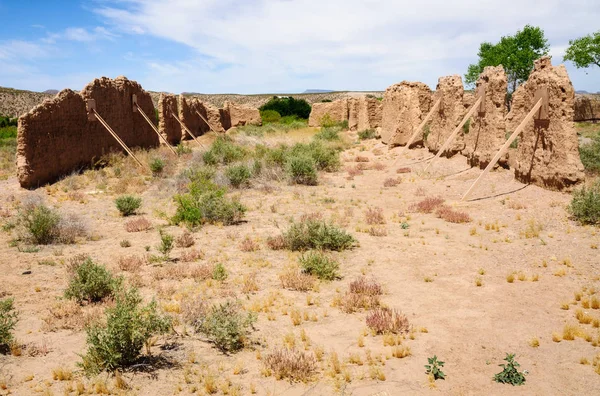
(269, 46)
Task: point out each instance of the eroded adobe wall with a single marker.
(213, 116)
(404, 107)
(353, 104)
(56, 138)
(369, 113)
(189, 117)
(587, 108)
(240, 115)
(337, 110)
(168, 125)
(547, 153)
(451, 112)
(487, 132)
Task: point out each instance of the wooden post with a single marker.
(185, 129)
(205, 120)
(137, 108)
(499, 154)
(416, 132)
(93, 115)
(455, 132)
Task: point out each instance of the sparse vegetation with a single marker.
(585, 205)
(434, 368)
(319, 264)
(510, 373)
(367, 134)
(91, 282)
(317, 234)
(385, 320)
(128, 204)
(226, 325)
(8, 320)
(291, 364)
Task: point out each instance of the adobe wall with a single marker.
(451, 112)
(55, 138)
(167, 124)
(587, 107)
(404, 107)
(369, 113)
(353, 105)
(337, 110)
(187, 114)
(240, 115)
(487, 132)
(547, 153)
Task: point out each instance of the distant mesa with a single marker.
(51, 91)
(313, 91)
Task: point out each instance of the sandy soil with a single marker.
(429, 271)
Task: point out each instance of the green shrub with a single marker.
(128, 204)
(157, 165)
(510, 373)
(367, 134)
(219, 272)
(330, 133)
(227, 325)
(326, 121)
(590, 155)
(40, 223)
(129, 326)
(317, 263)
(317, 234)
(288, 107)
(585, 205)
(466, 127)
(91, 282)
(434, 368)
(206, 203)
(325, 157)
(166, 244)
(269, 116)
(224, 151)
(182, 149)
(302, 170)
(238, 175)
(8, 320)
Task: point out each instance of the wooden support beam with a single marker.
(455, 132)
(137, 108)
(503, 149)
(205, 120)
(418, 130)
(186, 129)
(93, 116)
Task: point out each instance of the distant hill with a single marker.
(312, 91)
(51, 91)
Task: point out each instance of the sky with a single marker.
(270, 46)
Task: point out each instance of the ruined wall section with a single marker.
(55, 138)
(369, 113)
(168, 125)
(353, 106)
(404, 107)
(547, 153)
(451, 112)
(187, 114)
(240, 115)
(587, 108)
(487, 132)
(337, 110)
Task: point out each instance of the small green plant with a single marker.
(129, 326)
(404, 225)
(590, 154)
(182, 149)
(319, 264)
(317, 234)
(330, 134)
(434, 368)
(157, 165)
(510, 373)
(128, 204)
(227, 325)
(41, 224)
(426, 132)
(8, 320)
(326, 121)
(167, 242)
(585, 205)
(466, 127)
(91, 282)
(238, 175)
(367, 134)
(219, 272)
(270, 116)
(515, 143)
(302, 170)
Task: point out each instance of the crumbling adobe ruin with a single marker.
(337, 111)
(239, 115)
(548, 149)
(587, 108)
(364, 113)
(448, 116)
(187, 114)
(167, 124)
(56, 137)
(405, 105)
(487, 132)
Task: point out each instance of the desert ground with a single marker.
(517, 276)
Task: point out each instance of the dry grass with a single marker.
(452, 216)
(192, 255)
(276, 242)
(130, 263)
(428, 205)
(403, 170)
(294, 279)
(249, 245)
(74, 262)
(386, 320)
(392, 182)
(360, 158)
(362, 294)
(374, 216)
(291, 364)
(138, 224)
(249, 284)
(202, 272)
(378, 231)
(353, 171)
(185, 240)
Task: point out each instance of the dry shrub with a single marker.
(276, 242)
(353, 171)
(74, 262)
(378, 231)
(363, 166)
(294, 279)
(360, 158)
(291, 364)
(421, 192)
(313, 216)
(138, 224)
(386, 320)
(516, 205)
(453, 216)
(66, 314)
(70, 228)
(427, 205)
(392, 182)
(362, 294)
(249, 284)
(185, 240)
(173, 272)
(130, 263)
(193, 309)
(192, 255)
(374, 216)
(76, 196)
(403, 170)
(377, 151)
(248, 245)
(378, 166)
(202, 272)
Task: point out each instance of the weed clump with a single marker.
(367, 134)
(291, 364)
(585, 205)
(320, 265)
(129, 326)
(128, 204)
(510, 373)
(91, 282)
(224, 151)
(41, 225)
(302, 170)
(238, 175)
(427, 205)
(452, 216)
(157, 165)
(317, 234)
(386, 320)
(362, 294)
(330, 133)
(8, 320)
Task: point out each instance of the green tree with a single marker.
(515, 53)
(584, 51)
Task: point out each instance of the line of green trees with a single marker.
(7, 121)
